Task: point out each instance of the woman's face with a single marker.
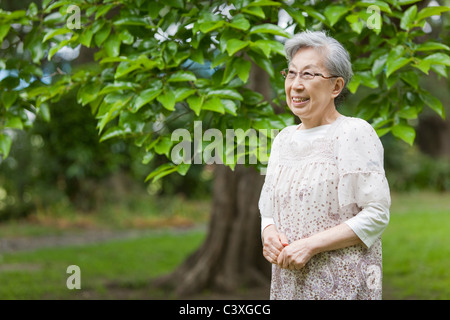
(311, 100)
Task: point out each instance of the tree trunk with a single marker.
(231, 256)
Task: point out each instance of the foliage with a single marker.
(162, 65)
(408, 169)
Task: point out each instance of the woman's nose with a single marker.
(297, 83)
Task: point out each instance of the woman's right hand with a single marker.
(273, 243)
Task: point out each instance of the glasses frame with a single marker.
(284, 73)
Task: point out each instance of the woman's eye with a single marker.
(292, 73)
(308, 74)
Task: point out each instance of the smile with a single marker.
(295, 99)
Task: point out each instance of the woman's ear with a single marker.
(338, 87)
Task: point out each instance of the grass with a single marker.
(416, 247)
(106, 268)
(416, 250)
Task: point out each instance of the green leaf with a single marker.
(422, 65)
(167, 100)
(264, 46)
(102, 34)
(226, 94)
(368, 80)
(52, 33)
(431, 11)
(431, 45)
(357, 26)
(406, 2)
(132, 21)
(182, 76)
(438, 58)
(315, 14)
(411, 78)
(8, 98)
(234, 45)
(393, 64)
(103, 10)
(354, 83)
(408, 112)
(264, 63)
(229, 73)
(381, 4)
(88, 93)
(229, 106)
(214, 104)
(162, 171)
(209, 26)
(264, 3)
(125, 67)
(112, 45)
(334, 12)
(4, 29)
(44, 112)
(195, 103)
(85, 37)
(433, 102)
(408, 18)
(182, 93)
(163, 146)
(112, 133)
(243, 69)
(145, 97)
(404, 132)
(379, 64)
(13, 123)
(239, 22)
(255, 11)
(271, 29)
(5, 145)
(183, 168)
(296, 15)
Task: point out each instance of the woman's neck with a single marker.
(328, 118)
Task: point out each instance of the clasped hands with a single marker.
(277, 250)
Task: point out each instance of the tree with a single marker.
(149, 78)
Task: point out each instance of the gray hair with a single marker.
(336, 58)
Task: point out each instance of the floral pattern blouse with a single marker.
(311, 187)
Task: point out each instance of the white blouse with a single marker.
(317, 179)
(370, 222)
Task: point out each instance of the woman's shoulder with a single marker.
(286, 131)
(352, 125)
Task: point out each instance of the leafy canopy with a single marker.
(162, 65)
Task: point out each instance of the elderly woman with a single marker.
(325, 200)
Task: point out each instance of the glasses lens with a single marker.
(307, 76)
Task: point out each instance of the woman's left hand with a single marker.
(295, 255)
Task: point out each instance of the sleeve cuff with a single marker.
(265, 222)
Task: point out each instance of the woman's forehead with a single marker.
(306, 58)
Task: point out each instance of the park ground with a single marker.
(120, 253)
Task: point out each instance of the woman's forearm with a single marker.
(338, 237)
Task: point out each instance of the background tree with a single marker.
(148, 78)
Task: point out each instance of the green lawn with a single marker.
(416, 247)
(416, 258)
(107, 269)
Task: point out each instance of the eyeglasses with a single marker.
(291, 75)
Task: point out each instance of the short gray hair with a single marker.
(336, 58)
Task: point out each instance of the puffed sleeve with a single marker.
(266, 198)
(362, 180)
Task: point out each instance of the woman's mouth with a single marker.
(299, 101)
